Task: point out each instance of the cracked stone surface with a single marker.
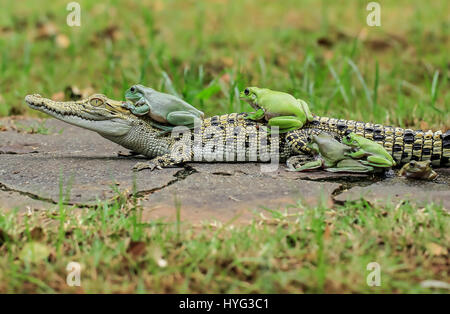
(205, 197)
(255, 169)
(394, 190)
(88, 163)
(14, 200)
(32, 163)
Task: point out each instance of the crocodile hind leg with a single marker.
(298, 140)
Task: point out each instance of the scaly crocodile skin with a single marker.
(403, 144)
(203, 144)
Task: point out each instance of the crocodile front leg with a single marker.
(180, 153)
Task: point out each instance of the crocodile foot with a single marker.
(146, 165)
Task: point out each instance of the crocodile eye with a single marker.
(246, 91)
(96, 102)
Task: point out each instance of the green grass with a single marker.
(206, 52)
(323, 249)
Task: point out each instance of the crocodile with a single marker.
(241, 139)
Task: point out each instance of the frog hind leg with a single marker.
(309, 166)
(377, 161)
(184, 118)
(286, 123)
(350, 165)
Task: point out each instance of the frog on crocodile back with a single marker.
(278, 108)
(162, 108)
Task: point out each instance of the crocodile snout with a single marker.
(34, 99)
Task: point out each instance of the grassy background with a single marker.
(324, 249)
(321, 51)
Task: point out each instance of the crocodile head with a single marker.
(96, 113)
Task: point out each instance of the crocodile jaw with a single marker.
(83, 115)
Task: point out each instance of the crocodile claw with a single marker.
(145, 165)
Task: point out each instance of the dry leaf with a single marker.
(424, 125)
(363, 34)
(378, 44)
(46, 30)
(327, 232)
(62, 41)
(136, 248)
(6, 31)
(111, 32)
(86, 92)
(328, 54)
(227, 61)
(59, 96)
(225, 78)
(325, 42)
(436, 249)
(158, 6)
(37, 233)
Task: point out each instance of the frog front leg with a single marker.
(140, 108)
(297, 161)
(286, 123)
(307, 166)
(358, 154)
(258, 115)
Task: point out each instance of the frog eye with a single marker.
(96, 102)
(132, 89)
(412, 164)
(246, 91)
